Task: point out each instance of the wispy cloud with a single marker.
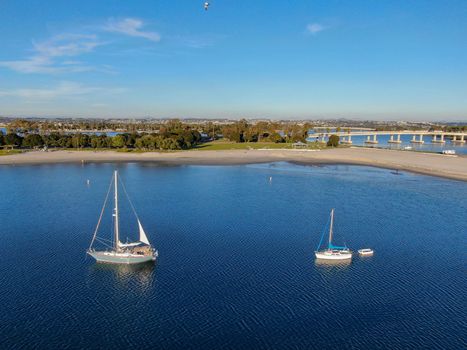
(68, 45)
(52, 56)
(131, 27)
(315, 28)
(55, 54)
(65, 89)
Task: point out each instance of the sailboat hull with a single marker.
(121, 258)
(329, 255)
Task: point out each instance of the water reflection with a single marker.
(332, 265)
(140, 276)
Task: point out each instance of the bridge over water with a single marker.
(394, 136)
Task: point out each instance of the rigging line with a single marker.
(102, 242)
(324, 231)
(102, 213)
(129, 200)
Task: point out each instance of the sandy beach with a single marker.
(453, 167)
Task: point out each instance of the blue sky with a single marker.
(398, 59)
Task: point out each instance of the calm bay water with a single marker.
(236, 267)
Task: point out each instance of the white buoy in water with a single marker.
(270, 179)
(88, 182)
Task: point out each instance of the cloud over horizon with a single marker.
(61, 90)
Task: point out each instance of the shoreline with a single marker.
(451, 167)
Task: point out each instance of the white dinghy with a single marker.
(366, 252)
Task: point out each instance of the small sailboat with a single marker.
(332, 252)
(118, 252)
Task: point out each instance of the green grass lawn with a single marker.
(89, 149)
(132, 150)
(225, 145)
(219, 145)
(4, 152)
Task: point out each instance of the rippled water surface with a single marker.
(236, 267)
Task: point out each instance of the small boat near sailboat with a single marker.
(117, 252)
(366, 252)
(332, 252)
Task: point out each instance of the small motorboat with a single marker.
(365, 252)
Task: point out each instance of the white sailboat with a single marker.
(118, 252)
(332, 252)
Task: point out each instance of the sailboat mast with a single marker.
(330, 227)
(116, 209)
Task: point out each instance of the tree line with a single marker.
(264, 131)
(170, 135)
(455, 128)
(154, 136)
(168, 140)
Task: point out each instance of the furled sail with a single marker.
(125, 245)
(142, 235)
